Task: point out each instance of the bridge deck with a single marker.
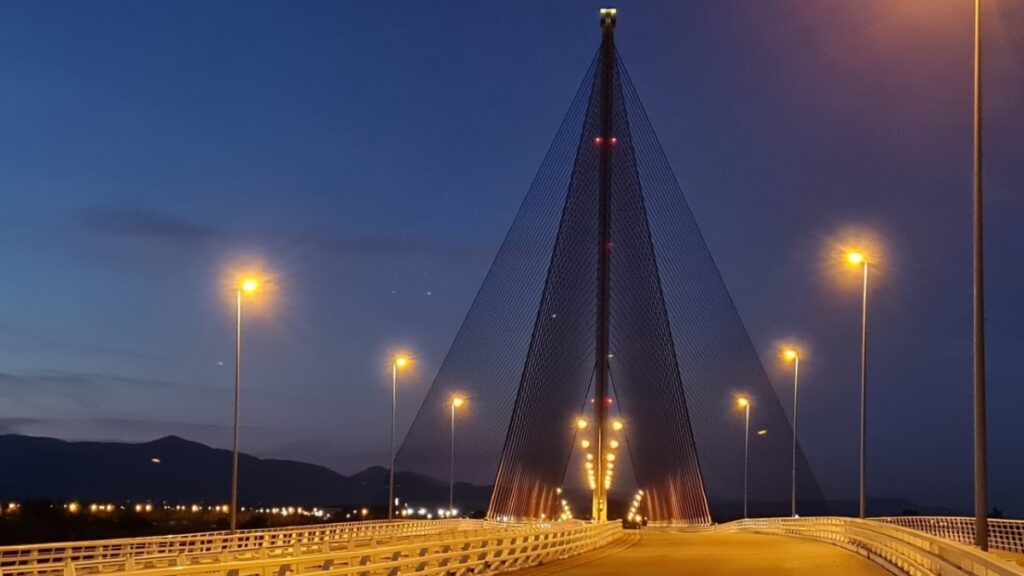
(655, 553)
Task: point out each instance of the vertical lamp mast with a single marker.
(604, 142)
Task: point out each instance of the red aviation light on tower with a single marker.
(598, 140)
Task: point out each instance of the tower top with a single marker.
(608, 19)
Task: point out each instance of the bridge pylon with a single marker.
(599, 506)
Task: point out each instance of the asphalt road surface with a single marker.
(651, 553)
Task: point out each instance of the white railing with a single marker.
(490, 551)
(899, 549)
(1005, 535)
(52, 559)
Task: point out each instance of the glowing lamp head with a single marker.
(458, 401)
(855, 258)
(585, 444)
(249, 285)
(613, 444)
(790, 354)
(401, 361)
(581, 423)
(617, 425)
(742, 402)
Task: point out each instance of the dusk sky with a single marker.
(370, 156)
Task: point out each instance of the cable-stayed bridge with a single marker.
(602, 357)
(603, 351)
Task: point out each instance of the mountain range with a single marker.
(176, 470)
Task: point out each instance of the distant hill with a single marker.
(184, 471)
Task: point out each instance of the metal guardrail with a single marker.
(497, 550)
(365, 545)
(901, 550)
(1004, 535)
(52, 559)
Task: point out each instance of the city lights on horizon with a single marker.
(99, 508)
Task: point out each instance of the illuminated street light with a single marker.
(581, 423)
(456, 402)
(744, 403)
(248, 285)
(617, 425)
(794, 357)
(859, 259)
(400, 361)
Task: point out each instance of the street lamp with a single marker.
(980, 416)
(744, 403)
(794, 357)
(398, 362)
(859, 259)
(456, 402)
(246, 286)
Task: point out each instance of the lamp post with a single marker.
(247, 286)
(859, 259)
(456, 402)
(794, 356)
(398, 362)
(980, 416)
(744, 403)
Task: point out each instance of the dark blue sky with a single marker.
(373, 154)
